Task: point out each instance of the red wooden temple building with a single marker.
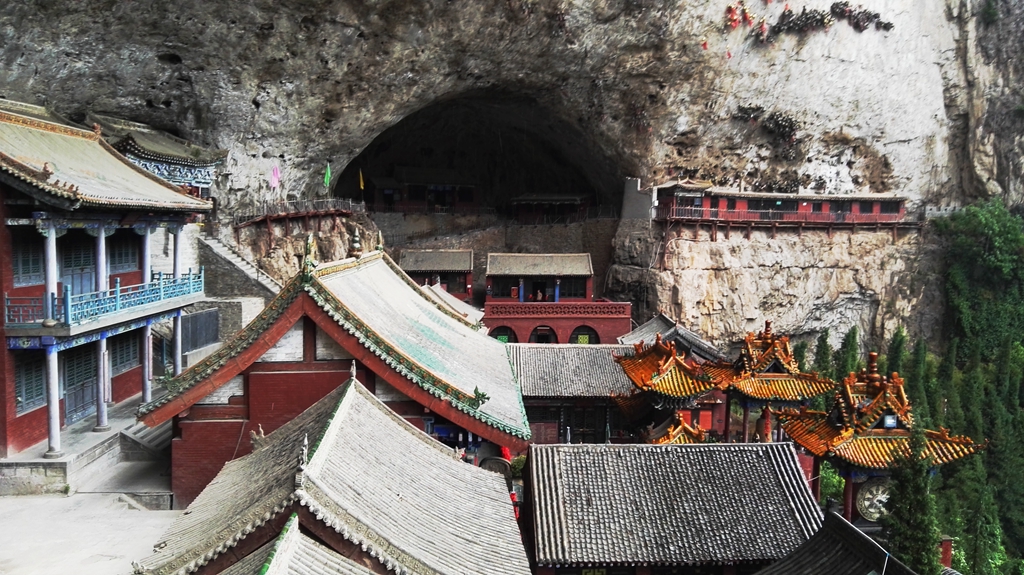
(426, 362)
(80, 298)
(868, 425)
(451, 269)
(549, 298)
(698, 395)
(698, 202)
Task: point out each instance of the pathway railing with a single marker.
(81, 308)
(298, 208)
(745, 216)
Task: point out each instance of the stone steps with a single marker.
(142, 443)
(247, 267)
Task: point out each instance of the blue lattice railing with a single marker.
(78, 309)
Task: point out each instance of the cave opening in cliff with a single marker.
(499, 152)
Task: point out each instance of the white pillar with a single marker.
(101, 387)
(177, 252)
(147, 363)
(102, 281)
(177, 343)
(50, 271)
(146, 273)
(53, 404)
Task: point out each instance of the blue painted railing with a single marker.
(78, 309)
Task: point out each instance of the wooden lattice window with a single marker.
(27, 264)
(29, 382)
(123, 256)
(124, 352)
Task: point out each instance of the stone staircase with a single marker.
(247, 267)
(142, 443)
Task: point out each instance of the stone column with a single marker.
(177, 343)
(53, 404)
(50, 272)
(101, 385)
(102, 280)
(147, 363)
(177, 252)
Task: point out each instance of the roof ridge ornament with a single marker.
(309, 261)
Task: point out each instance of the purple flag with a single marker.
(275, 178)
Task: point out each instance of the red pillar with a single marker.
(728, 419)
(848, 498)
(816, 479)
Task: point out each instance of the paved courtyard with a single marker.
(85, 534)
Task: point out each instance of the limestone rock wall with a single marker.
(930, 109)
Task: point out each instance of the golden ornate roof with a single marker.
(677, 432)
(855, 431)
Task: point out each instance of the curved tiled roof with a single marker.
(569, 370)
(675, 431)
(369, 475)
(645, 361)
(781, 387)
(668, 504)
(838, 548)
(77, 166)
(412, 260)
(678, 379)
(423, 340)
(539, 265)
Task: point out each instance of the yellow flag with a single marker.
(361, 185)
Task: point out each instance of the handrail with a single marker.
(746, 216)
(81, 308)
(299, 207)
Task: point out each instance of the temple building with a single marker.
(697, 395)
(549, 298)
(549, 208)
(80, 299)
(164, 155)
(724, 509)
(428, 363)
(423, 190)
(347, 486)
(568, 392)
(450, 269)
(868, 425)
(684, 340)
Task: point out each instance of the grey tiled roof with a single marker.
(293, 553)
(670, 331)
(374, 478)
(539, 265)
(252, 563)
(77, 167)
(418, 336)
(838, 548)
(397, 312)
(668, 504)
(436, 260)
(472, 314)
(569, 370)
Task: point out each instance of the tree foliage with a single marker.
(910, 526)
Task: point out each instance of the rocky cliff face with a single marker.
(929, 108)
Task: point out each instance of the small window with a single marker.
(730, 204)
(573, 287)
(29, 381)
(27, 263)
(123, 255)
(584, 335)
(867, 207)
(124, 352)
(503, 287)
(816, 207)
(890, 207)
(504, 334)
(465, 195)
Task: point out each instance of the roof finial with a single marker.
(309, 262)
(380, 241)
(355, 248)
(353, 371)
(767, 328)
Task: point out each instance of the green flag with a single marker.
(327, 176)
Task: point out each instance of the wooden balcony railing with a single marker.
(769, 216)
(82, 308)
(497, 310)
